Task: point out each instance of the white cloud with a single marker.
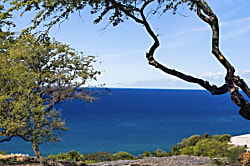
(226, 23)
(218, 77)
(212, 75)
(245, 74)
(246, 71)
(223, 23)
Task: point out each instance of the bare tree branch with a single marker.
(232, 82)
(150, 56)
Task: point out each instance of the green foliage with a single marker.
(160, 153)
(3, 153)
(146, 154)
(92, 158)
(234, 153)
(206, 145)
(89, 161)
(70, 156)
(36, 74)
(123, 156)
(116, 11)
(225, 138)
(189, 150)
(175, 150)
(191, 141)
(206, 135)
(211, 148)
(74, 156)
(99, 156)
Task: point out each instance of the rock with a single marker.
(182, 160)
(244, 159)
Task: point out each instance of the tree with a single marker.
(35, 75)
(146, 154)
(123, 156)
(119, 11)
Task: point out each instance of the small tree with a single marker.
(35, 75)
(160, 153)
(123, 156)
(146, 154)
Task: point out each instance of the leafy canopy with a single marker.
(36, 74)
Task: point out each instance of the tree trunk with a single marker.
(37, 153)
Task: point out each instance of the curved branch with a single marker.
(127, 12)
(150, 56)
(213, 22)
(243, 86)
(204, 18)
(232, 81)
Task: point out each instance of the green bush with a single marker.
(123, 156)
(191, 141)
(89, 161)
(160, 153)
(234, 153)
(225, 138)
(70, 156)
(189, 150)
(175, 150)
(206, 135)
(75, 156)
(146, 154)
(100, 156)
(60, 156)
(3, 153)
(211, 146)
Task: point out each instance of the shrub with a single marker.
(123, 156)
(175, 150)
(189, 150)
(74, 156)
(234, 153)
(70, 156)
(100, 156)
(160, 153)
(191, 141)
(146, 154)
(225, 138)
(206, 135)
(89, 161)
(211, 146)
(60, 156)
(3, 153)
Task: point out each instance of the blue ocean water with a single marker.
(135, 120)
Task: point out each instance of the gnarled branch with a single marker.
(232, 82)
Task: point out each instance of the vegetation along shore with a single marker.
(195, 150)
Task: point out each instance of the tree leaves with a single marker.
(36, 74)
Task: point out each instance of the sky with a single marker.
(185, 46)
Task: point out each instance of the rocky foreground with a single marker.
(151, 161)
(182, 160)
(163, 161)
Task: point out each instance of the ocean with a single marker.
(136, 120)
